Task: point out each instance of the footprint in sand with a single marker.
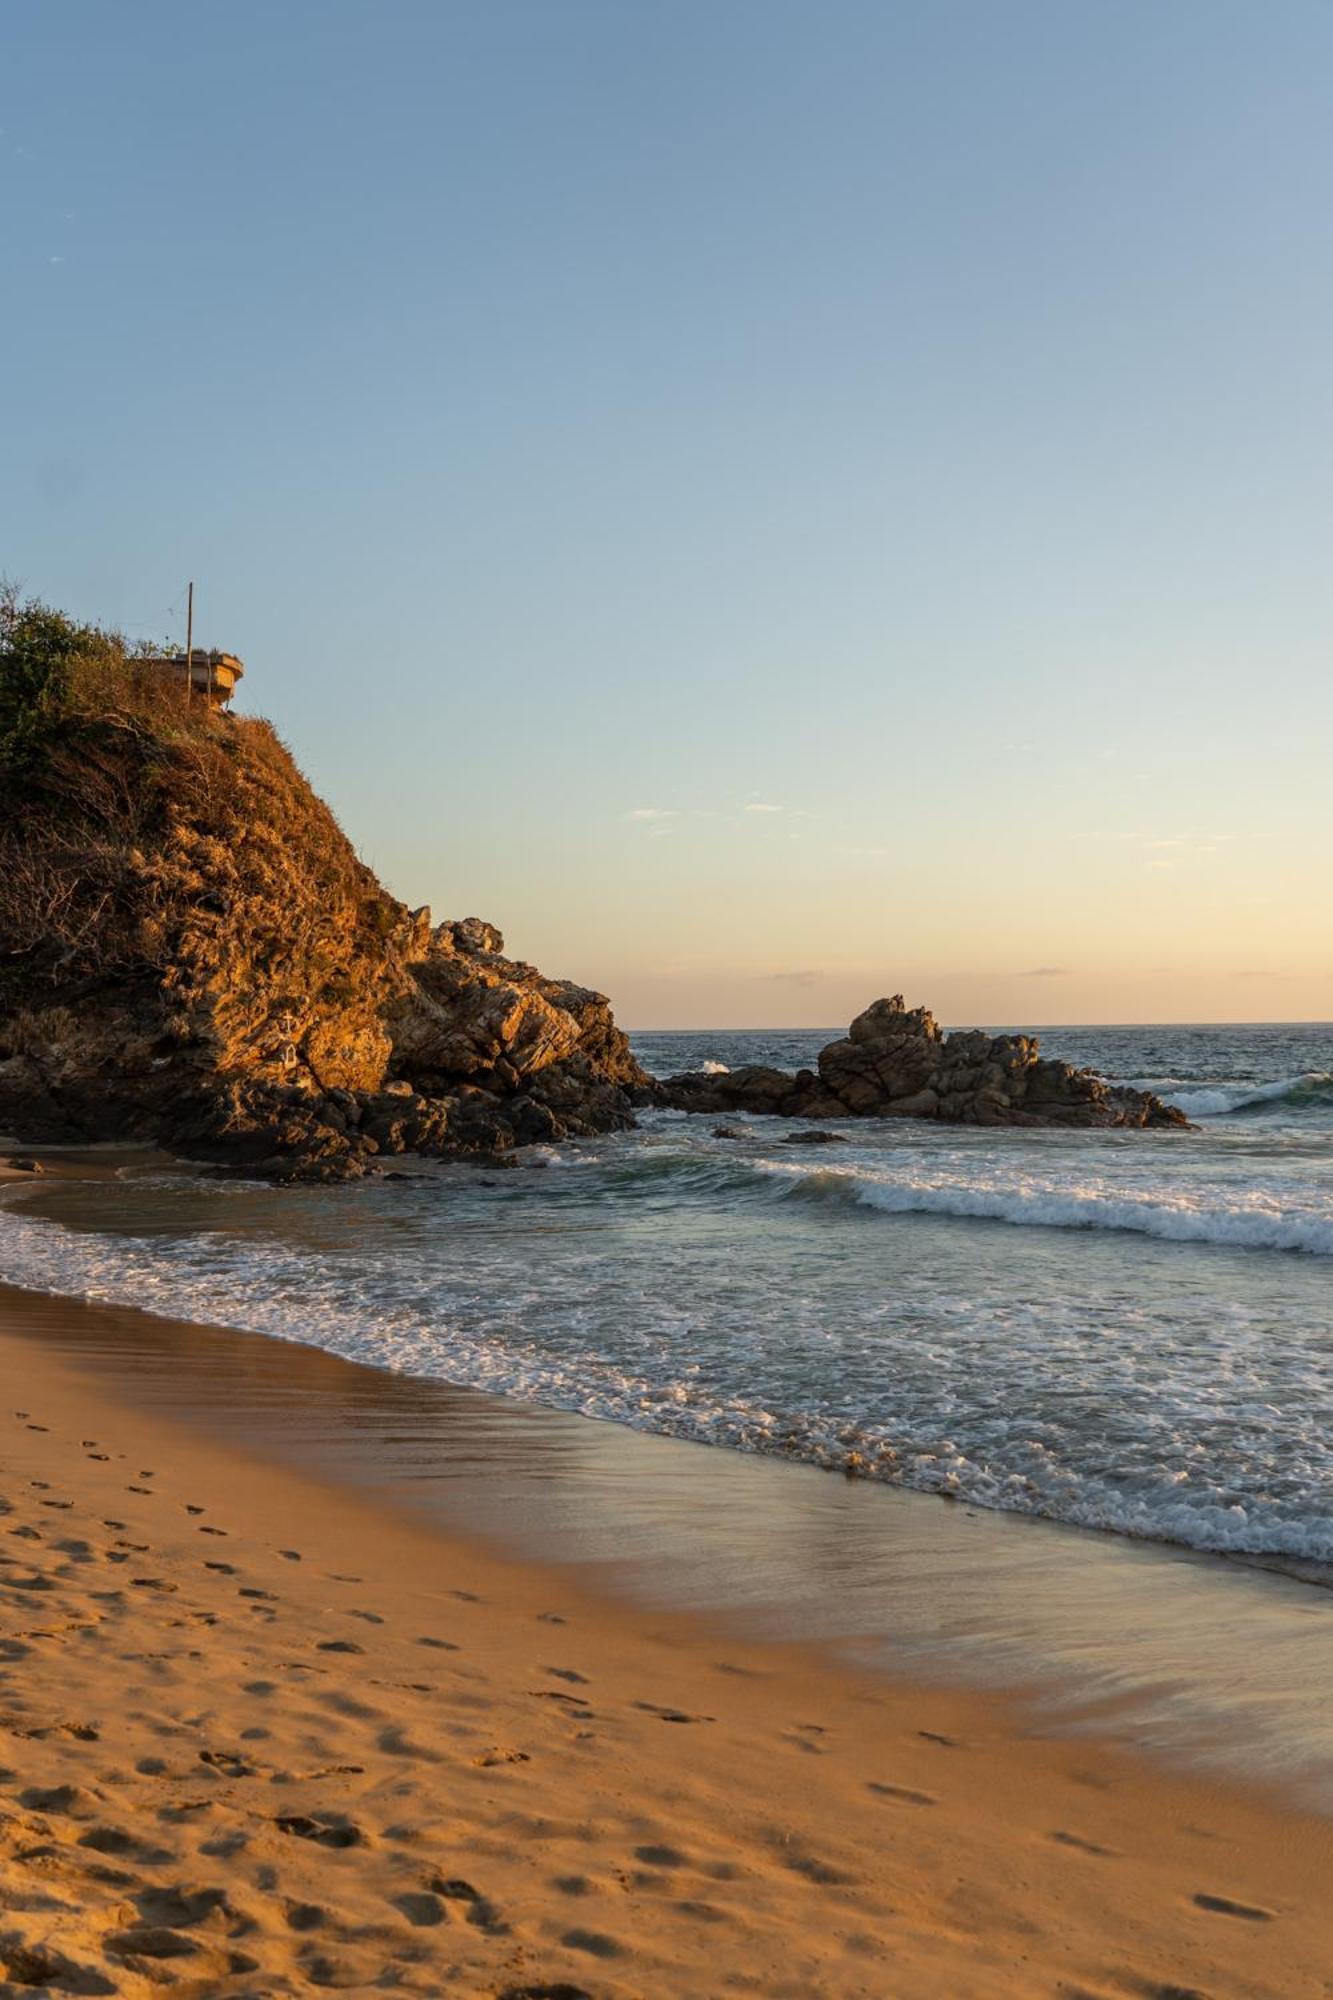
(228, 1763)
(422, 1910)
(174, 1907)
(52, 1798)
(339, 1646)
(670, 1714)
(568, 1674)
(305, 1916)
(155, 1941)
(555, 1989)
(116, 1841)
(596, 1943)
(290, 1555)
(439, 1645)
(1084, 1846)
(1227, 1906)
(904, 1794)
(481, 1911)
(326, 1830)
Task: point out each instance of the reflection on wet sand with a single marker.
(1191, 1654)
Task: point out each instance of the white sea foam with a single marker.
(1245, 1221)
(1077, 1410)
(385, 1315)
(1219, 1100)
(711, 1068)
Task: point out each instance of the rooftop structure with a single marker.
(211, 674)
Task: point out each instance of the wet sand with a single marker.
(262, 1732)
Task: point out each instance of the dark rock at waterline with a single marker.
(815, 1138)
(896, 1062)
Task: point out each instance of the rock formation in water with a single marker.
(896, 1063)
(192, 954)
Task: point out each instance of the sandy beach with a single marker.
(265, 1734)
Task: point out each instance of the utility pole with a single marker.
(189, 645)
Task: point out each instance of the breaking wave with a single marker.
(389, 1317)
(1312, 1088)
(1254, 1222)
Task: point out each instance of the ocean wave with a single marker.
(383, 1317)
(711, 1068)
(1311, 1087)
(1256, 1222)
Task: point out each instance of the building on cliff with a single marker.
(211, 674)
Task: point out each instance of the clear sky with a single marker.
(769, 503)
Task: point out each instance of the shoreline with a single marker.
(1210, 1659)
(635, 1801)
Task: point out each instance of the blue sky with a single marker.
(769, 503)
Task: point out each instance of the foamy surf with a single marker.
(1223, 1100)
(1101, 1328)
(1246, 1222)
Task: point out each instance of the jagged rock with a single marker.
(895, 1062)
(191, 952)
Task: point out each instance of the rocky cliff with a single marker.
(896, 1063)
(192, 954)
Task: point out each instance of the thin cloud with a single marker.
(803, 978)
(760, 806)
(645, 813)
(1046, 972)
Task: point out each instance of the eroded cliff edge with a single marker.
(192, 954)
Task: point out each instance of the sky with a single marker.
(769, 503)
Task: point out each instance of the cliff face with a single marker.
(896, 1063)
(191, 952)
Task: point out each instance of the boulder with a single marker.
(895, 1062)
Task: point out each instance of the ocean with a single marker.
(1124, 1331)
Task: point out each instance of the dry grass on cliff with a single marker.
(147, 838)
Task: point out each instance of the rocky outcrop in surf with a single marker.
(895, 1062)
(192, 954)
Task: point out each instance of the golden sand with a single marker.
(260, 1736)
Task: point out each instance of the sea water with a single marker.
(1129, 1331)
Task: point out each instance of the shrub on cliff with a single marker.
(191, 950)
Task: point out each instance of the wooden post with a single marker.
(189, 645)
